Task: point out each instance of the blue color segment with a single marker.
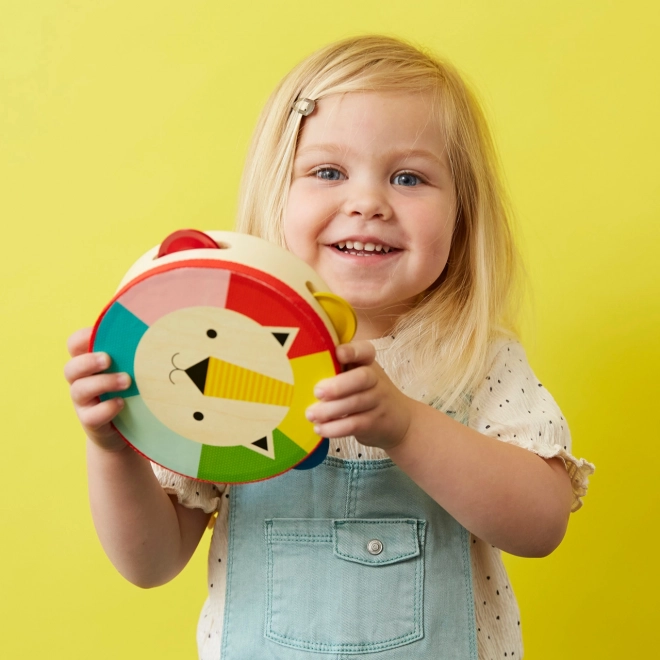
(118, 335)
(316, 457)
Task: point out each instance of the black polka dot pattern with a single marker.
(496, 612)
(513, 406)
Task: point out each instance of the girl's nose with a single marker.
(368, 202)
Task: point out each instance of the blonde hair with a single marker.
(442, 344)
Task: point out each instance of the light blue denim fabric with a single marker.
(302, 583)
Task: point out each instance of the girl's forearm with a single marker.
(148, 537)
(503, 494)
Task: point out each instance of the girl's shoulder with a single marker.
(503, 346)
(510, 392)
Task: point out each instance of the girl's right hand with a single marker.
(87, 383)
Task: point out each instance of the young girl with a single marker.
(373, 163)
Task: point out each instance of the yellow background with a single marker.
(121, 121)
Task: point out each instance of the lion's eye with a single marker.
(198, 416)
(211, 333)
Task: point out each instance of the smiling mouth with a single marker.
(360, 249)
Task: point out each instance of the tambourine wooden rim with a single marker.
(252, 293)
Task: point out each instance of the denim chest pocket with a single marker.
(345, 586)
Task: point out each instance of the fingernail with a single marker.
(120, 402)
(309, 414)
(345, 352)
(319, 392)
(124, 380)
(317, 430)
(103, 360)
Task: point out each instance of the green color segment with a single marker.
(239, 464)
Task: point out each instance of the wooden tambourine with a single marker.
(224, 336)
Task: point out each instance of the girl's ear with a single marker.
(186, 239)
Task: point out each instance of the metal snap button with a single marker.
(375, 547)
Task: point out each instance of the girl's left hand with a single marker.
(362, 401)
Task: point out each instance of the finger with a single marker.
(345, 384)
(340, 428)
(86, 364)
(78, 342)
(331, 410)
(87, 389)
(356, 352)
(96, 416)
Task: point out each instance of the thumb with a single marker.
(356, 353)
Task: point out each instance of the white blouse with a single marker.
(511, 405)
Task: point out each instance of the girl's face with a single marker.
(372, 204)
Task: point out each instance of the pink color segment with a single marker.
(174, 289)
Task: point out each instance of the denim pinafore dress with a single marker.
(348, 561)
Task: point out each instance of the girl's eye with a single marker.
(406, 179)
(329, 174)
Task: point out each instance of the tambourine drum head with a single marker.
(224, 359)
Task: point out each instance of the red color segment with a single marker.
(272, 303)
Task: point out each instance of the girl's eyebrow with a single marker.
(400, 153)
(422, 153)
(329, 146)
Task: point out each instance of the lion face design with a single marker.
(216, 376)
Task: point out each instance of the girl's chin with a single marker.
(368, 296)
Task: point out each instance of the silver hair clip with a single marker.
(304, 106)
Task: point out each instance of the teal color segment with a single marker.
(118, 335)
(155, 440)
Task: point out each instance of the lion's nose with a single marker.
(217, 378)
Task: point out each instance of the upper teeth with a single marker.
(367, 247)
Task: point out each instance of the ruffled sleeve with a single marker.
(513, 406)
(190, 493)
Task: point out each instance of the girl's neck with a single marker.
(368, 329)
(374, 324)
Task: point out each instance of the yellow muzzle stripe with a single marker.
(228, 381)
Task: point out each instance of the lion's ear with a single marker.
(285, 336)
(186, 239)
